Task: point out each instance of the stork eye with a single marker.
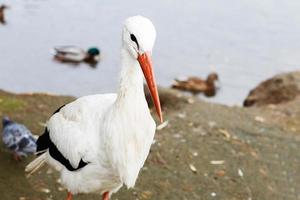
(133, 38)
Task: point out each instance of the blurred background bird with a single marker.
(73, 54)
(18, 139)
(2, 16)
(197, 85)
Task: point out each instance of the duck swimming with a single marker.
(73, 54)
(197, 85)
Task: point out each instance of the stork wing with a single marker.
(74, 129)
(67, 135)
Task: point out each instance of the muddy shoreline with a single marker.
(206, 151)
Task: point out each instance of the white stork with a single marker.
(100, 142)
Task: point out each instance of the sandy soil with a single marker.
(205, 151)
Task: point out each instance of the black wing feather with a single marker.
(44, 142)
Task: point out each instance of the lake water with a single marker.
(244, 41)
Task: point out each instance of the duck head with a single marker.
(93, 55)
(212, 77)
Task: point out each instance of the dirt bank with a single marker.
(207, 151)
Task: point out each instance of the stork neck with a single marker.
(131, 79)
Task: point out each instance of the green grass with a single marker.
(8, 104)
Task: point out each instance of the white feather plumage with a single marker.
(113, 132)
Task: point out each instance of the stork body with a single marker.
(100, 142)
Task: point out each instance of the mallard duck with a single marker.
(2, 16)
(197, 85)
(75, 54)
(18, 139)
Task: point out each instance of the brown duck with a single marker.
(197, 85)
(2, 17)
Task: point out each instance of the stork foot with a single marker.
(16, 157)
(69, 196)
(105, 196)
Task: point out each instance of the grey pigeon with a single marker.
(18, 138)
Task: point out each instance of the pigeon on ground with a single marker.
(18, 138)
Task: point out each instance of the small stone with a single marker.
(263, 172)
(45, 190)
(213, 194)
(202, 133)
(212, 124)
(195, 153)
(42, 124)
(193, 168)
(146, 194)
(220, 173)
(259, 119)
(217, 162)
(177, 135)
(145, 168)
(162, 125)
(240, 172)
(181, 115)
(191, 100)
(190, 124)
(225, 133)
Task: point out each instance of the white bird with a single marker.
(100, 142)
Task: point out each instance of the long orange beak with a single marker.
(146, 65)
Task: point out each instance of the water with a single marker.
(244, 41)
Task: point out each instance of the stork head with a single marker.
(138, 39)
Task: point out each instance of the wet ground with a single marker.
(245, 42)
(206, 151)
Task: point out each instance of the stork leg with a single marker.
(105, 196)
(69, 196)
(16, 157)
